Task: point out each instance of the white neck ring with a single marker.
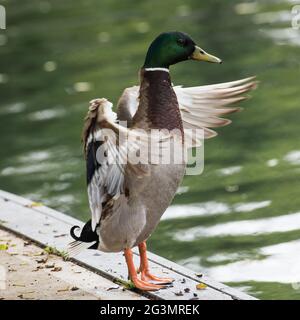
(157, 69)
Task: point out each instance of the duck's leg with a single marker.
(144, 267)
(140, 284)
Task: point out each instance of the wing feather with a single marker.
(201, 107)
(105, 176)
(109, 157)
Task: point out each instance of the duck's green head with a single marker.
(172, 47)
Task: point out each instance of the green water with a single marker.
(240, 220)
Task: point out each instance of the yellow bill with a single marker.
(200, 55)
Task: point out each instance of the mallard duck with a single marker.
(127, 200)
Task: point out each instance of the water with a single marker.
(240, 220)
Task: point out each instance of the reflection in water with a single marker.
(272, 268)
(284, 36)
(182, 189)
(50, 66)
(13, 108)
(246, 227)
(28, 169)
(46, 114)
(230, 170)
(293, 157)
(241, 216)
(251, 206)
(35, 156)
(272, 162)
(273, 17)
(191, 210)
(211, 208)
(82, 86)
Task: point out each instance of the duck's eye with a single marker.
(181, 42)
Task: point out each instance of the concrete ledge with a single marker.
(48, 227)
(30, 273)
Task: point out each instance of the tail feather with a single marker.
(75, 247)
(88, 239)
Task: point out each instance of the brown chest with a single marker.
(158, 107)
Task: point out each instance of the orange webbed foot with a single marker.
(144, 285)
(138, 283)
(144, 267)
(147, 276)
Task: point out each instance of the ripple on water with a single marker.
(272, 163)
(282, 259)
(34, 156)
(229, 171)
(27, 169)
(13, 108)
(251, 206)
(192, 210)
(272, 17)
(182, 189)
(46, 114)
(283, 36)
(246, 8)
(293, 157)
(282, 223)
(211, 208)
(83, 86)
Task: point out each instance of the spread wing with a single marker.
(201, 107)
(110, 151)
(105, 179)
(204, 106)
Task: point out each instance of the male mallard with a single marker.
(128, 200)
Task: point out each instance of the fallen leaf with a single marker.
(201, 286)
(63, 290)
(74, 289)
(56, 269)
(34, 204)
(38, 254)
(42, 260)
(113, 288)
(60, 235)
(3, 246)
(18, 285)
(179, 293)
